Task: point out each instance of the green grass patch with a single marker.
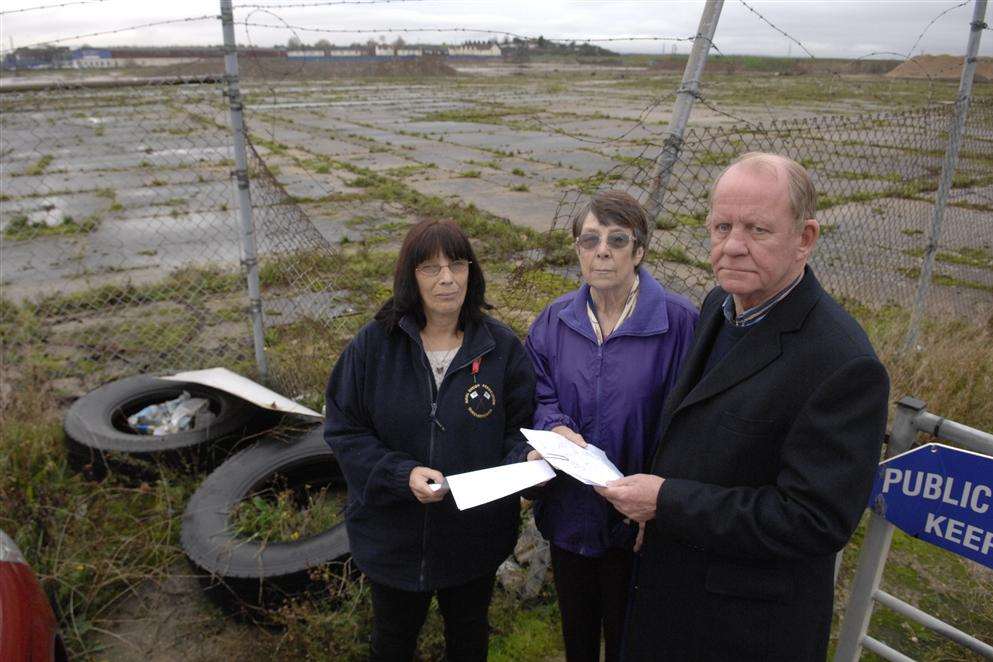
(939, 278)
(679, 255)
(284, 515)
(38, 167)
(591, 184)
(483, 114)
(20, 227)
(183, 285)
(979, 257)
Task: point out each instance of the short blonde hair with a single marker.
(803, 195)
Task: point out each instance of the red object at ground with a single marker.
(28, 628)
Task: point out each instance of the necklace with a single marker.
(442, 364)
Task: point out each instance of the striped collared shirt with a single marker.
(756, 314)
(626, 312)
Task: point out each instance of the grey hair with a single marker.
(803, 195)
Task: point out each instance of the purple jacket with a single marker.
(612, 394)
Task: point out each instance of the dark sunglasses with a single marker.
(589, 242)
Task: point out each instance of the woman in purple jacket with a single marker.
(605, 357)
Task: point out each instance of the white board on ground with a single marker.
(244, 388)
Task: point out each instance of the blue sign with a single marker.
(940, 494)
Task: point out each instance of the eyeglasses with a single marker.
(590, 242)
(457, 267)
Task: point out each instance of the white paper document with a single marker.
(244, 388)
(588, 465)
(475, 488)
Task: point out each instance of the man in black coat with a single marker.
(769, 442)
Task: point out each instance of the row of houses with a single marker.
(110, 58)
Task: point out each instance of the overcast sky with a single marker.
(828, 28)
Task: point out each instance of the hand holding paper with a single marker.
(475, 488)
(588, 465)
(423, 490)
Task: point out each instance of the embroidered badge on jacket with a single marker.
(480, 400)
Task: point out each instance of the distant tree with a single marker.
(541, 41)
(323, 43)
(294, 43)
(398, 43)
(371, 43)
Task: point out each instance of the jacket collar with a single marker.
(478, 340)
(760, 347)
(650, 316)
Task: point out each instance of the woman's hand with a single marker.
(419, 485)
(570, 435)
(532, 456)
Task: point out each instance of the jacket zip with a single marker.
(424, 533)
(434, 421)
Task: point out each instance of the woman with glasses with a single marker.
(431, 387)
(605, 357)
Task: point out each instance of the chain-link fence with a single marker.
(875, 175)
(121, 247)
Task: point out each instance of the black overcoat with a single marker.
(768, 460)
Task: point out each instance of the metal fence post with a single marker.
(875, 547)
(947, 169)
(688, 91)
(249, 252)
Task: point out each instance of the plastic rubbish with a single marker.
(172, 416)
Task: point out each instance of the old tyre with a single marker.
(248, 573)
(98, 435)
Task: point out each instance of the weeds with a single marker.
(38, 167)
(273, 516)
(21, 228)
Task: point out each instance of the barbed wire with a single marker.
(326, 3)
(778, 29)
(38, 7)
(188, 19)
(932, 22)
(904, 57)
(458, 30)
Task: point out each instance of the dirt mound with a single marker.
(256, 68)
(941, 67)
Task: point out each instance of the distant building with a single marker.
(475, 49)
(45, 57)
(91, 58)
(330, 54)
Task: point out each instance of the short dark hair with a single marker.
(615, 208)
(423, 242)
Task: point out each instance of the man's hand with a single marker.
(574, 437)
(633, 496)
(419, 485)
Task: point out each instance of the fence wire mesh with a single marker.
(121, 248)
(121, 244)
(875, 174)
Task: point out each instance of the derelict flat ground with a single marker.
(509, 139)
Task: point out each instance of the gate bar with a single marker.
(932, 623)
